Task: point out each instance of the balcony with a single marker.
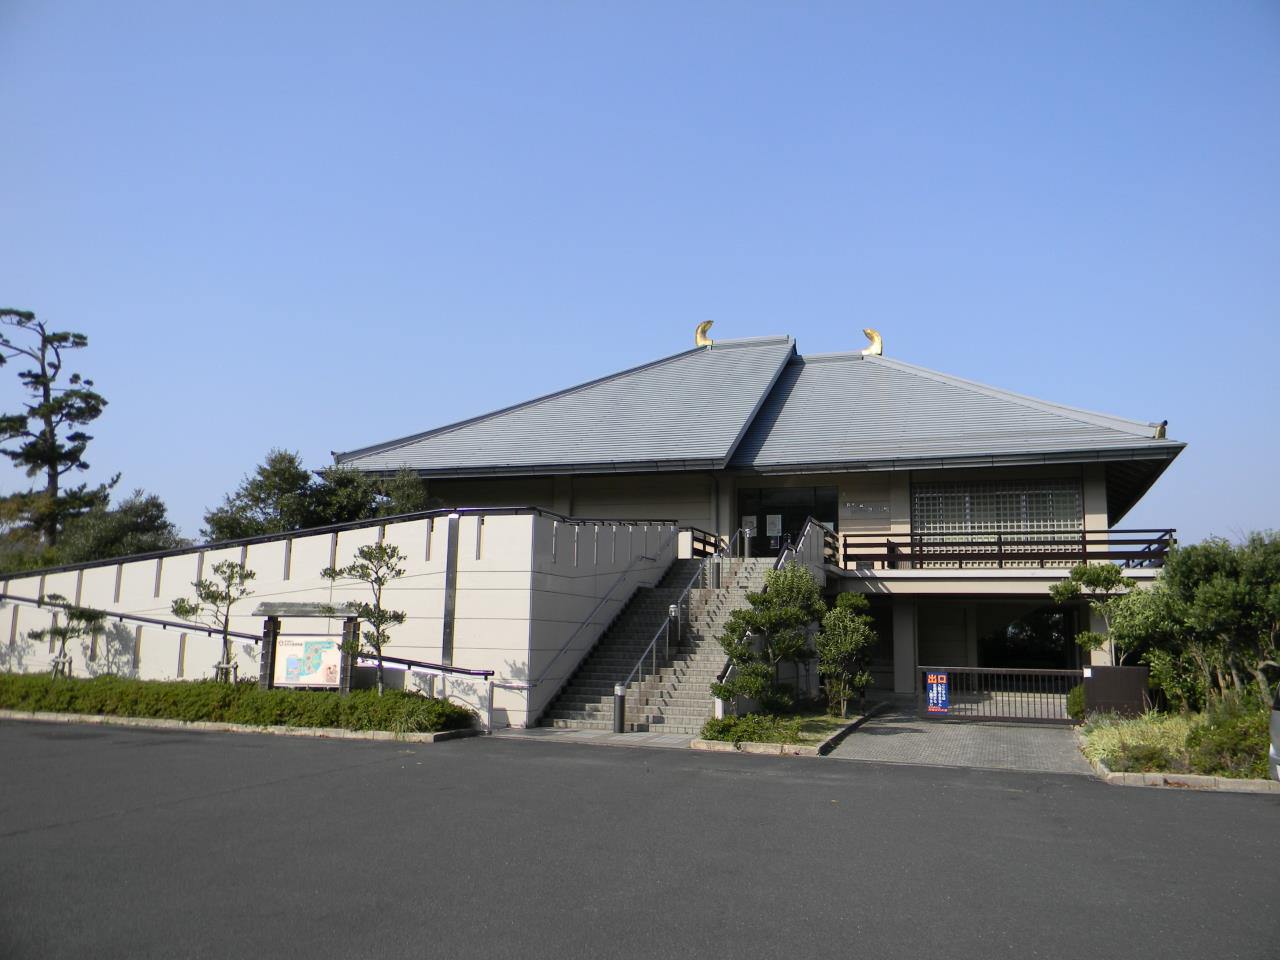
(1003, 549)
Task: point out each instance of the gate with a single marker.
(1007, 695)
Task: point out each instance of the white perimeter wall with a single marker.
(525, 584)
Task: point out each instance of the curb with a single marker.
(787, 749)
(208, 726)
(1183, 781)
(750, 746)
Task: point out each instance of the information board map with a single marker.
(307, 663)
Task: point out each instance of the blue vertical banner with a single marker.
(939, 698)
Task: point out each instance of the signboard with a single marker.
(749, 525)
(939, 700)
(307, 662)
(773, 525)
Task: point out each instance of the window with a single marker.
(1021, 506)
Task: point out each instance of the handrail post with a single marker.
(488, 722)
(619, 707)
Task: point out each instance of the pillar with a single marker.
(267, 659)
(904, 646)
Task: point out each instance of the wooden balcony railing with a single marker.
(1005, 548)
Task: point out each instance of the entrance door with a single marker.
(776, 513)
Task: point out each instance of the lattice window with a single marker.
(1025, 512)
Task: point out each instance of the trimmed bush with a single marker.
(753, 728)
(1075, 703)
(192, 700)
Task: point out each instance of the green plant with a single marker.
(1146, 758)
(844, 646)
(48, 433)
(1076, 703)
(1231, 739)
(1106, 588)
(213, 602)
(376, 564)
(395, 711)
(752, 728)
(1120, 741)
(772, 630)
(77, 623)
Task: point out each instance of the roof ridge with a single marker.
(754, 341)
(387, 445)
(1123, 424)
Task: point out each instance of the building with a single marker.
(953, 503)
(574, 521)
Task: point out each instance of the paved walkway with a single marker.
(901, 737)
(600, 737)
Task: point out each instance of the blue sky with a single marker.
(319, 226)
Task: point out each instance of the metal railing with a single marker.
(132, 618)
(1007, 695)
(708, 574)
(1006, 548)
(830, 544)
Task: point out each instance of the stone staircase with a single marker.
(677, 699)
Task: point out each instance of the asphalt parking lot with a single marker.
(147, 843)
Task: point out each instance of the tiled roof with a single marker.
(756, 405)
(852, 410)
(684, 412)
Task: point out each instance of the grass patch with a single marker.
(193, 700)
(772, 728)
(1230, 739)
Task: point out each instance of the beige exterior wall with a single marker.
(870, 502)
(527, 588)
(688, 498)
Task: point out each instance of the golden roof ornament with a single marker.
(700, 337)
(876, 347)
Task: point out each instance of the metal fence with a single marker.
(977, 693)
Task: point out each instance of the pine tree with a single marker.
(46, 438)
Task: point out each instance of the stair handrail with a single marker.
(789, 552)
(675, 533)
(651, 651)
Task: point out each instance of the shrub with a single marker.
(1138, 743)
(1231, 739)
(192, 700)
(1142, 757)
(1075, 702)
(752, 728)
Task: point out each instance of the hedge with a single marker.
(752, 728)
(395, 710)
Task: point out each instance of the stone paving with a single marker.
(599, 737)
(899, 736)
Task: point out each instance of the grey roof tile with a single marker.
(850, 409)
(686, 411)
